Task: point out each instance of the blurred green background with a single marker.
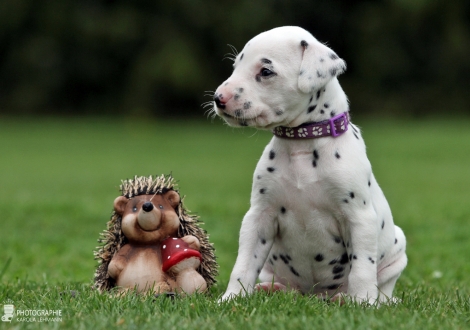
(156, 58)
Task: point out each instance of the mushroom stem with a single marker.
(190, 281)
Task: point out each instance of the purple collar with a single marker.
(330, 127)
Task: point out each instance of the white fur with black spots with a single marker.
(318, 222)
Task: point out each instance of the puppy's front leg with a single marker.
(362, 279)
(256, 239)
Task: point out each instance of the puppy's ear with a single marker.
(319, 65)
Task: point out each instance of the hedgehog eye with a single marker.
(134, 209)
(161, 207)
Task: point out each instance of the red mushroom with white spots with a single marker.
(181, 260)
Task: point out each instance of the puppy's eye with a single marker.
(266, 72)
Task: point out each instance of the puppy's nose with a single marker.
(218, 102)
(221, 99)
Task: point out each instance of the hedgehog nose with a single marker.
(147, 207)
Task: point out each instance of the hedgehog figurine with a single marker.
(153, 243)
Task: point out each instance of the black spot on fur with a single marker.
(294, 271)
(337, 269)
(283, 210)
(274, 257)
(262, 190)
(256, 257)
(241, 56)
(247, 105)
(236, 97)
(319, 257)
(332, 114)
(382, 256)
(351, 194)
(396, 241)
(258, 270)
(311, 98)
(337, 155)
(333, 71)
(311, 108)
(346, 201)
(326, 105)
(336, 277)
(333, 286)
(333, 56)
(258, 177)
(332, 262)
(279, 112)
(364, 202)
(354, 257)
(283, 258)
(337, 239)
(237, 113)
(263, 241)
(322, 111)
(271, 262)
(303, 43)
(383, 224)
(243, 123)
(266, 61)
(271, 169)
(318, 94)
(288, 257)
(301, 72)
(239, 279)
(314, 163)
(344, 259)
(371, 260)
(315, 154)
(240, 90)
(272, 154)
(368, 183)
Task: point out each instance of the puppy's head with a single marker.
(274, 77)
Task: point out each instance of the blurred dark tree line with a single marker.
(405, 57)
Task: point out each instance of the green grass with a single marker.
(58, 179)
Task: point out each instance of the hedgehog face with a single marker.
(148, 219)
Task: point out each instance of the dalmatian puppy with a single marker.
(318, 222)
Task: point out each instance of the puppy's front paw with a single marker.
(342, 298)
(228, 295)
(270, 287)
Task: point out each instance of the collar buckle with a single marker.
(333, 131)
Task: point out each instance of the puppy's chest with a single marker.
(298, 177)
(294, 184)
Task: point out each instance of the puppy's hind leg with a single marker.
(387, 276)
